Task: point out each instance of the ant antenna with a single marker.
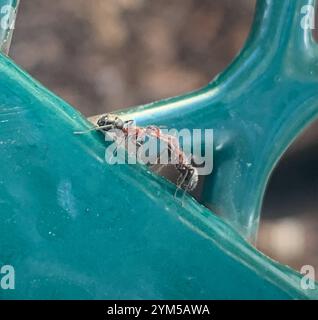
(94, 129)
(180, 182)
(129, 122)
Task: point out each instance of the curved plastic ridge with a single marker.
(257, 107)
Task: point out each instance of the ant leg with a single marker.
(182, 178)
(188, 176)
(186, 190)
(176, 192)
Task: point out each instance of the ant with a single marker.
(188, 178)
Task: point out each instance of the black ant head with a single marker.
(111, 122)
(193, 180)
(104, 121)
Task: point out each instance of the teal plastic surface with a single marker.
(75, 227)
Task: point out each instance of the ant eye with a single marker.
(101, 122)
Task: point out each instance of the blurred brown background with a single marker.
(103, 55)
